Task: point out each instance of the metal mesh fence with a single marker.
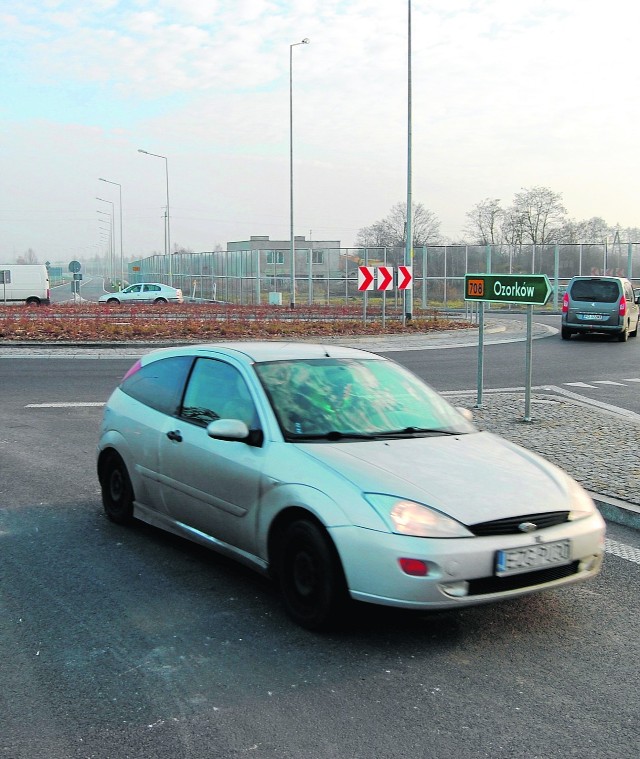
(330, 276)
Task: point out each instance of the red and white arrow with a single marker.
(385, 278)
(405, 277)
(365, 277)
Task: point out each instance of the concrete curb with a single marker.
(618, 512)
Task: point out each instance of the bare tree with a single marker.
(391, 231)
(485, 222)
(541, 214)
(511, 227)
(29, 257)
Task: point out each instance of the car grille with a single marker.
(510, 526)
(486, 585)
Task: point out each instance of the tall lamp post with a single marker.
(305, 41)
(168, 236)
(119, 186)
(112, 267)
(408, 250)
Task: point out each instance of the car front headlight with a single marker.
(581, 503)
(411, 518)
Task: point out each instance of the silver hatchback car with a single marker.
(340, 474)
(606, 305)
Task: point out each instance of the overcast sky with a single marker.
(506, 94)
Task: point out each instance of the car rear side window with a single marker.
(596, 291)
(160, 383)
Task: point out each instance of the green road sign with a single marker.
(527, 289)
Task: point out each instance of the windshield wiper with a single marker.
(418, 431)
(332, 435)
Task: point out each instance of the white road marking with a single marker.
(629, 553)
(63, 405)
(579, 384)
(607, 382)
(633, 379)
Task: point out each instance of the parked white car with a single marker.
(144, 292)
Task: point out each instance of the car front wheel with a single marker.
(113, 302)
(117, 491)
(310, 575)
(160, 301)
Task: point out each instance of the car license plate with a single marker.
(513, 561)
(593, 317)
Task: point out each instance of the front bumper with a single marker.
(461, 571)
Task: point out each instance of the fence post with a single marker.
(556, 271)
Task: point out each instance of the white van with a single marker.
(25, 283)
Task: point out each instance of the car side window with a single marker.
(217, 390)
(151, 288)
(160, 383)
(134, 289)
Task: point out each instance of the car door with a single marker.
(151, 292)
(133, 293)
(212, 485)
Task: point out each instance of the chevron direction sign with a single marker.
(526, 289)
(366, 277)
(405, 277)
(385, 278)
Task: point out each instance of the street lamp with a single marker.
(408, 250)
(119, 186)
(305, 41)
(112, 255)
(167, 241)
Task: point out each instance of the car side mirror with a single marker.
(234, 429)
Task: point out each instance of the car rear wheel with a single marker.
(117, 491)
(566, 333)
(113, 302)
(159, 301)
(311, 577)
(624, 335)
(635, 331)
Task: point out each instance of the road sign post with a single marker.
(523, 289)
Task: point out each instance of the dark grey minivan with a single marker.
(600, 304)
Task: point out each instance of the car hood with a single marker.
(473, 477)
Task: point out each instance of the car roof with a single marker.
(599, 277)
(267, 350)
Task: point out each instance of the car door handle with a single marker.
(175, 435)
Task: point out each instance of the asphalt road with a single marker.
(127, 642)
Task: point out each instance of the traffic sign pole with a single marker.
(524, 289)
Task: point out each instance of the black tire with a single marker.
(635, 331)
(117, 491)
(113, 302)
(624, 335)
(566, 333)
(160, 301)
(311, 578)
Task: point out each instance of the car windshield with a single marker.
(342, 399)
(595, 290)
